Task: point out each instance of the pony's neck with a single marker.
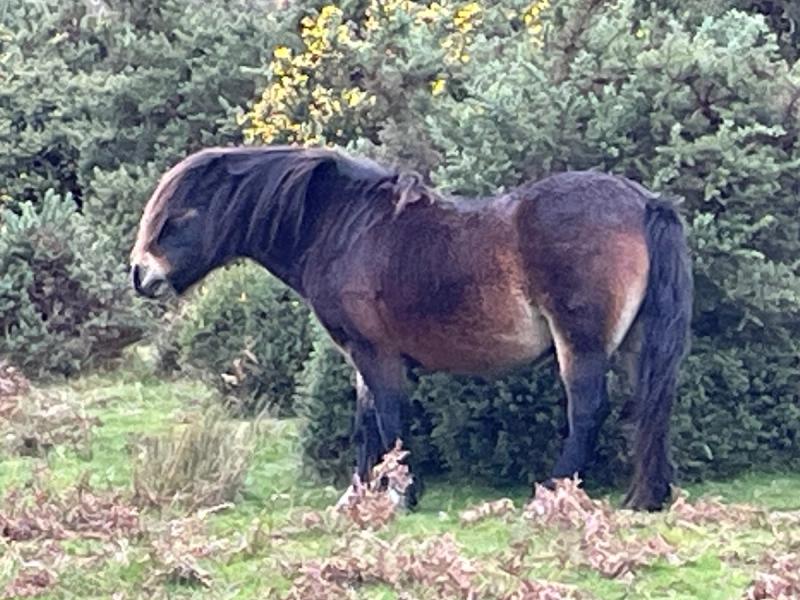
(336, 209)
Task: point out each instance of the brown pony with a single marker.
(402, 277)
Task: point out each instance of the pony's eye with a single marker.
(168, 229)
(174, 223)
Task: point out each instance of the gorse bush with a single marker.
(326, 400)
(65, 304)
(703, 108)
(98, 99)
(98, 103)
(248, 335)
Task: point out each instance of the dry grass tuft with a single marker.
(202, 463)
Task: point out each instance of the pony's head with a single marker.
(167, 251)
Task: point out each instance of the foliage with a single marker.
(703, 108)
(98, 98)
(326, 400)
(365, 70)
(64, 303)
(248, 335)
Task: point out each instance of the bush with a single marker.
(326, 400)
(699, 107)
(248, 334)
(98, 103)
(65, 304)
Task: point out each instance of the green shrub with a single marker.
(326, 400)
(248, 334)
(99, 104)
(65, 304)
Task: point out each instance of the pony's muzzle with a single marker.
(146, 282)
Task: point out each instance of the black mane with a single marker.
(269, 199)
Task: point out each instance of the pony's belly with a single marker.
(481, 346)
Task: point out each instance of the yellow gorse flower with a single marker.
(532, 16)
(464, 17)
(282, 53)
(308, 99)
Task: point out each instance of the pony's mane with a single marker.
(272, 184)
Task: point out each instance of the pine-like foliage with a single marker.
(64, 303)
(248, 335)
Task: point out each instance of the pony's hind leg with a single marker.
(584, 378)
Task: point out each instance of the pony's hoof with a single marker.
(648, 500)
(548, 483)
(407, 499)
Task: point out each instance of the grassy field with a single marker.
(85, 513)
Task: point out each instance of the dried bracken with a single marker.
(77, 513)
(373, 504)
(711, 510)
(30, 582)
(779, 579)
(436, 566)
(496, 508)
(33, 421)
(34, 522)
(564, 505)
(539, 590)
(601, 545)
(177, 547)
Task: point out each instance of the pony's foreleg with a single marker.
(367, 437)
(584, 377)
(381, 420)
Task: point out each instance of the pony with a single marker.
(401, 277)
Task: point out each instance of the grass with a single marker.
(262, 535)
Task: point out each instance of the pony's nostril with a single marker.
(136, 279)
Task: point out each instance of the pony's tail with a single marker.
(665, 317)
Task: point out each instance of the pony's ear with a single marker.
(409, 189)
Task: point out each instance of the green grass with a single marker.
(717, 562)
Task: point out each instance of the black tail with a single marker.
(665, 318)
